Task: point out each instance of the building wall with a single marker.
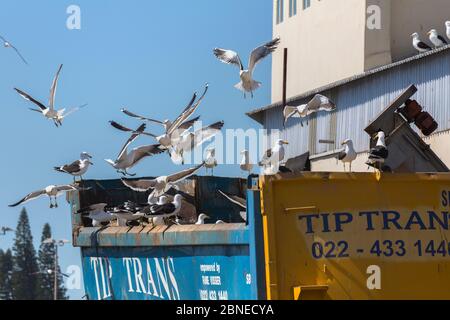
(361, 101)
(330, 41)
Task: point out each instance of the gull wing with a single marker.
(30, 196)
(288, 112)
(197, 138)
(188, 111)
(228, 57)
(139, 185)
(133, 115)
(266, 158)
(26, 96)
(51, 102)
(320, 103)
(235, 199)
(179, 176)
(261, 52)
(133, 137)
(145, 151)
(120, 127)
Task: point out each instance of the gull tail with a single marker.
(59, 169)
(110, 162)
(253, 86)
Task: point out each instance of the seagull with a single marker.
(161, 184)
(348, 154)
(126, 160)
(201, 218)
(418, 44)
(175, 129)
(210, 161)
(220, 222)
(127, 212)
(247, 84)
(273, 157)
(49, 112)
(317, 103)
(379, 153)
(245, 162)
(4, 230)
(436, 39)
(78, 167)
(167, 210)
(8, 44)
(98, 213)
(447, 27)
(50, 191)
(191, 140)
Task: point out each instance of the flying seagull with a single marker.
(98, 213)
(436, 39)
(246, 165)
(161, 184)
(447, 27)
(49, 112)
(8, 44)
(379, 153)
(173, 130)
(126, 160)
(191, 140)
(348, 155)
(50, 191)
(247, 84)
(78, 167)
(273, 157)
(4, 230)
(317, 103)
(418, 44)
(210, 160)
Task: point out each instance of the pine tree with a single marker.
(25, 269)
(6, 267)
(46, 269)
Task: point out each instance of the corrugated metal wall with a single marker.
(360, 101)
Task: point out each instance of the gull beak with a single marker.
(343, 143)
(285, 142)
(91, 163)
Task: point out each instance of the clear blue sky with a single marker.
(147, 55)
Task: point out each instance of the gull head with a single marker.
(280, 142)
(85, 156)
(347, 142)
(111, 162)
(380, 134)
(178, 198)
(432, 32)
(415, 35)
(202, 217)
(447, 24)
(244, 152)
(162, 200)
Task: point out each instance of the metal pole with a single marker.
(285, 71)
(55, 274)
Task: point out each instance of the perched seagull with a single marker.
(220, 222)
(436, 39)
(247, 84)
(50, 191)
(201, 218)
(273, 157)
(418, 44)
(317, 103)
(245, 162)
(379, 153)
(348, 155)
(158, 220)
(49, 112)
(191, 140)
(126, 160)
(126, 213)
(161, 184)
(98, 213)
(210, 160)
(175, 129)
(8, 44)
(4, 230)
(78, 167)
(168, 209)
(447, 27)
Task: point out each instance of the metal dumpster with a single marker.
(357, 236)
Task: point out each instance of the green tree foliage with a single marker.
(6, 267)
(46, 269)
(25, 269)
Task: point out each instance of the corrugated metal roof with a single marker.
(257, 113)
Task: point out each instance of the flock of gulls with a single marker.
(178, 138)
(436, 39)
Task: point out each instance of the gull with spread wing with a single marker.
(8, 44)
(247, 84)
(49, 111)
(51, 191)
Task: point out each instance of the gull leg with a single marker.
(252, 94)
(350, 167)
(344, 166)
(51, 203)
(56, 203)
